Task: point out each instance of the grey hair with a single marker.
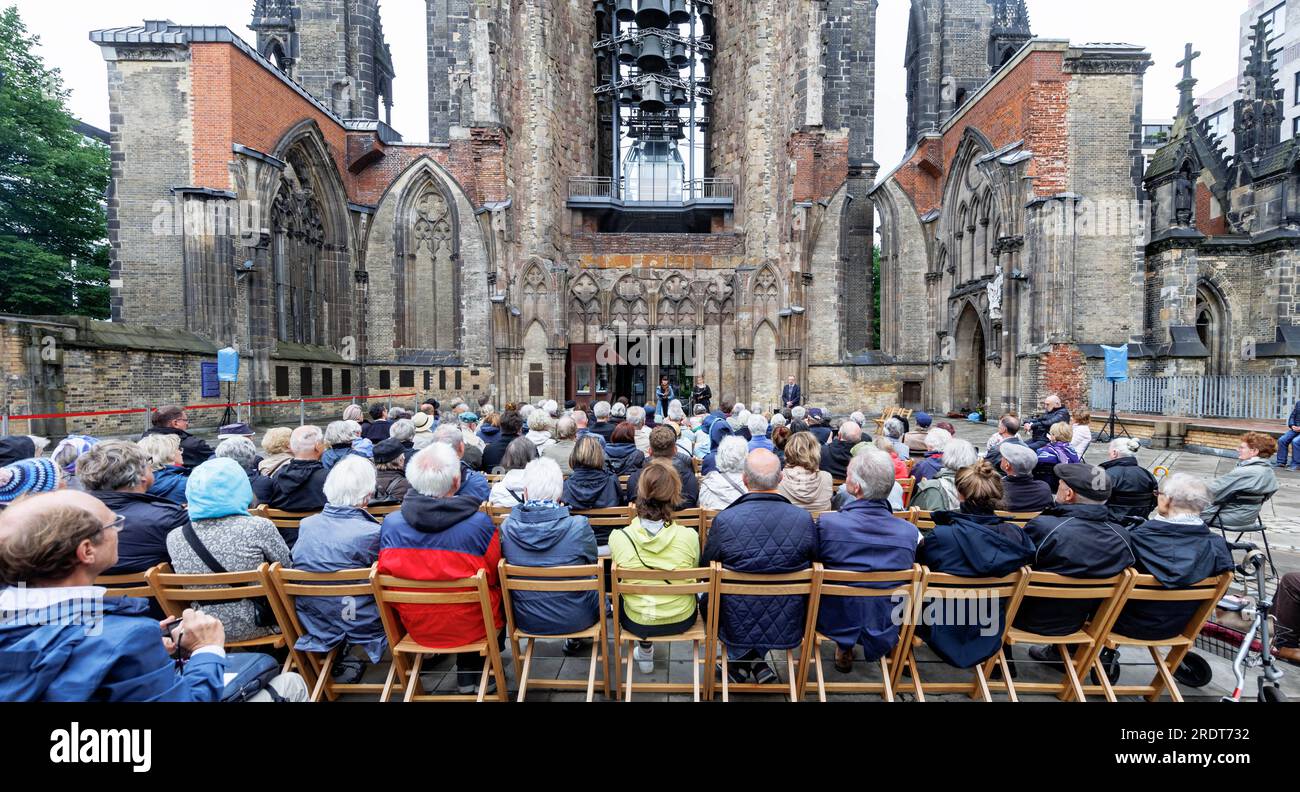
(543, 480)
(850, 432)
(402, 430)
(1022, 459)
(566, 429)
(351, 482)
(798, 413)
(1186, 493)
(435, 471)
(760, 483)
(636, 416)
(937, 439)
(858, 417)
(959, 454)
(525, 411)
(353, 413)
(778, 420)
(486, 410)
(451, 435)
(305, 438)
(872, 473)
(675, 411)
(731, 454)
(551, 407)
(737, 408)
(601, 409)
(398, 413)
(160, 448)
(1124, 447)
(757, 425)
(422, 441)
(539, 421)
(618, 410)
(338, 432)
(240, 449)
(113, 465)
(894, 428)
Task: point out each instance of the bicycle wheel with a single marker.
(1194, 671)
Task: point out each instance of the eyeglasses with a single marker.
(116, 524)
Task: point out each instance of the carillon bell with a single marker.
(627, 52)
(652, 59)
(652, 98)
(652, 14)
(678, 14)
(679, 96)
(624, 12)
(679, 58)
(627, 96)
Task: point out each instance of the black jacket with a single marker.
(994, 457)
(377, 432)
(762, 533)
(592, 489)
(703, 396)
(1178, 555)
(194, 451)
(495, 450)
(690, 485)
(16, 448)
(836, 458)
(1132, 489)
(1074, 540)
(603, 428)
(298, 487)
(1045, 422)
(1026, 494)
(143, 540)
(622, 459)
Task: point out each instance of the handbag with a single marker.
(263, 615)
(253, 672)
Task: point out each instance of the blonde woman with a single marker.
(276, 445)
(167, 461)
(804, 483)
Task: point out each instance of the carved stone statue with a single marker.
(995, 288)
(1184, 198)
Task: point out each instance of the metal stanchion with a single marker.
(302, 412)
(4, 422)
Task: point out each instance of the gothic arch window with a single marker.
(584, 300)
(297, 253)
(1212, 327)
(275, 53)
(676, 309)
(427, 309)
(767, 293)
(628, 307)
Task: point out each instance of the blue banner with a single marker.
(211, 385)
(1116, 363)
(228, 365)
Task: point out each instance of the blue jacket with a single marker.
(548, 536)
(473, 484)
(762, 533)
(927, 467)
(864, 536)
(973, 546)
(719, 429)
(50, 655)
(169, 484)
(142, 542)
(339, 538)
(1294, 420)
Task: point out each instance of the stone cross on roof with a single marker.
(1186, 102)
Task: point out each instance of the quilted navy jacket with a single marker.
(761, 532)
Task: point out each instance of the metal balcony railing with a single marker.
(605, 188)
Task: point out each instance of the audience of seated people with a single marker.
(939, 491)
(622, 457)
(591, 485)
(169, 473)
(901, 470)
(762, 533)
(120, 474)
(936, 440)
(512, 423)
(1132, 487)
(1008, 432)
(559, 451)
(1055, 451)
(725, 483)
(173, 421)
(1022, 492)
(663, 448)
(391, 485)
(472, 483)
(837, 454)
(509, 491)
(298, 486)
(803, 482)
(1237, 496)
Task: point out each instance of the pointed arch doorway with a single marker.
(970, 369)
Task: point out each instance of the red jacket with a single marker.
(442, 539)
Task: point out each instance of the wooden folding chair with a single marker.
(908, 515)
(662, 583)
(176, 592)
(1145, 588)
(908, 485)
(135, 584)
(612, 518)
(707, 516)
(391, 591)
(282, 520)
(937, 585)
(697, 464)
(498, 513)
(690, 518)
(380, 512)
(290, 584)
(727, 583)
(572, 579)
(857, 585)
(923, 520)
(493, 478)
(1019, 518)
(1085, 642)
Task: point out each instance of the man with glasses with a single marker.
(67, 642)
(172, 420)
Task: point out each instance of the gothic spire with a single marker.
(1009, 33)
(1186, 99)
(1260, 76)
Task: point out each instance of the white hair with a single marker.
(351, 482)
(240, 449)
(422, 441)
(798, 413)
(551, 407)
(525, 411)
(778, 419)
(636, 416)
(338, 432)
(737, 408)
(539, 421)
(1021, 459)
(894, 428)
(305, 439)
(486, 410)
(543, 480)
(731, 454)
(959, 454)
(618, 410)
(402, 430)
(675, 411)
(858, 417)
(757, 425)
(1124, 447)
(872, 473)
(566, 428)
(435, 471)
(353, 412)
(450, 434)
(600, 409)
(1186, 493)
(850, 431)
(937, 439)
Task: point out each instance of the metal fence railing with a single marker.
(1247, 397)
(645, 189)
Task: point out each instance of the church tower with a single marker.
(953, 47)
(335, 49)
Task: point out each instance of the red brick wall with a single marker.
(659, 245)
(1210, 226)
(1065, 373)
(821, 165)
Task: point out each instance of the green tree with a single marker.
(53, 228)
(875, 296)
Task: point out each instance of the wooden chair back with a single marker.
(382, 511)
(677, 582)
(908, 515)
(494, 478)
(282, 519)
(690, 518)
(904, 584)
(729, 583)
(707, 516)
(612, 518)
(289, 585)
(497, 513)
(135, 584)
(923, 520)
(908, 486)
(1019, 518)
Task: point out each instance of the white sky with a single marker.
(1162, 26)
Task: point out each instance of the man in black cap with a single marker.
(1077, 538)
(16, 448)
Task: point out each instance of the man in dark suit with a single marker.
(791, 396)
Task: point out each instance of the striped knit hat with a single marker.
(28, 477)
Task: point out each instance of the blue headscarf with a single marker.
(218, 488)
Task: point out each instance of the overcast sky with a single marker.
(1162, 26)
